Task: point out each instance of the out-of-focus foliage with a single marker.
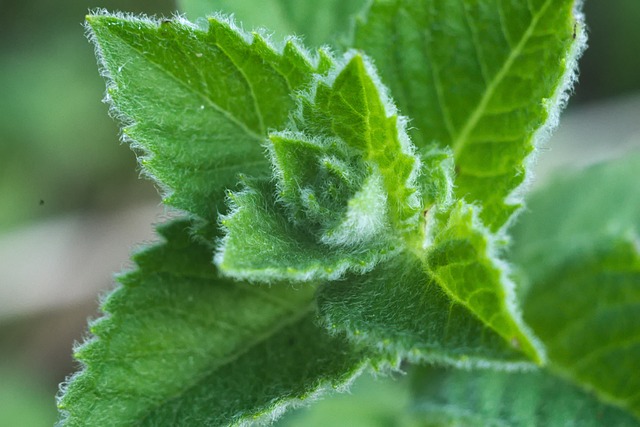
(611, 65)
(316, 22)
(370, 402)
(23, 400)
(58, 148)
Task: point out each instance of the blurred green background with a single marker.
(72, 204)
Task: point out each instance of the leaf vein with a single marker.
(189, 89)
(460, 142)
(231, 358)
(252, 91)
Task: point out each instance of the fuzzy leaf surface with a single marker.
(399, 309)
(263, 246)
(484, 78)
(592, 377)
(197, 103)
(446, 397)
(180, 346)
(464, 259)
(346, 189)
(456, 284)
(317, 22)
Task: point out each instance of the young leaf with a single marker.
(464, 260)
(346, 188)
(484, 78)
(180, 346)
(318, 22)
(579, 245)
(355, 108)
(198, 103)
(444, 397)
(401, 311)
(262, 245)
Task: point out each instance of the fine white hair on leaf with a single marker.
(554, 107)
(493, 248)
(365, 217)
(322, 389)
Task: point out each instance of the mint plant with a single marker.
(348, 209)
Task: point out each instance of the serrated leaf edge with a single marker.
(554, 107)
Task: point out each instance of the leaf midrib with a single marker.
(191, 90)
(421, 257)
(289, 320)
(461, 140)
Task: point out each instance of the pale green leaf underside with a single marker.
(484, 78)
(197, 103)
(400, 310)
(500, 399)
(317, 23)
(182, 347)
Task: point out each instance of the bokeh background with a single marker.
(72, 205)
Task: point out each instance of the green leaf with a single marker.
(371, 402)
(488, 398)
(575, 211)
(319, 22)
(457, 284)
(348, 131)
(484, 78)
(355, 109)
(592, 347)
(180, 346)
(594, 339)
(578, 256)
(346, 188)
(401, 311)
(261, 245)
(464, 259)
(579, 243)
(197, 103)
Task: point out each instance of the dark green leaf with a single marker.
(181, 346)
(197, 103)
